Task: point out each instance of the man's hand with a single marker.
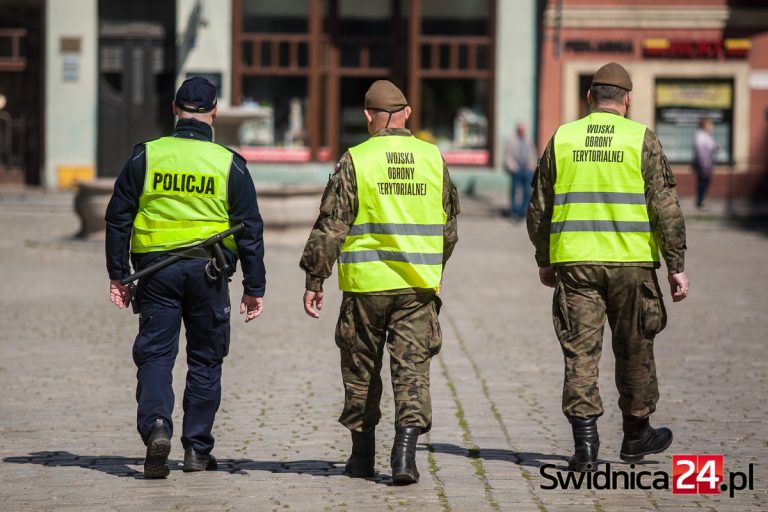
(678, 284)
(119, 294)
(251, 306)
(547, 276)
(313, 299)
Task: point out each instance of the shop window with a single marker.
(270, 124)
(275, 16)
(455, 17)
(456, 102)
(681, 103)
(275, 84)
(453, 114)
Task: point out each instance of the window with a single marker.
(301, 68)
(456, 100)
(680, 103)
(453, 114)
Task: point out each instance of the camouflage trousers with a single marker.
(631, 299)
(407, 324)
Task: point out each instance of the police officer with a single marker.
(604, 202)
(389, 216)
(172, 193)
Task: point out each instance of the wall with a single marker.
(70, 105)
(758, 133)
(515, 70)
(212, 51)
(710, 20)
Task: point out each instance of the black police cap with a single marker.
(196, 95)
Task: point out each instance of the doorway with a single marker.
(136, 77)
(21, 91)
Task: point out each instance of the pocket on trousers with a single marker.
(345, 327)
(560, 317)
(140, 344)
(434, 334)
(221, 314)
(145, 316)
(653, 315)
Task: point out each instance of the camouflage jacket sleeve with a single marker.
(663, 206)
(542, 202)
(338, 210)
(452, 210)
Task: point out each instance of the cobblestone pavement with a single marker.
(67, 435)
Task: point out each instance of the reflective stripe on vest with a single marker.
(600, 212)
(184, 200)
(396, 240)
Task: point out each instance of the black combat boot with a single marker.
(196, 461)
(587, 443)
(404, 455)
(360, 464)
(158, 449)
(640, 439)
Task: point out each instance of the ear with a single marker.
(214, 112)
(628, 99)
(368, 116)
(174, 108)
(589, 97)
(407, 111)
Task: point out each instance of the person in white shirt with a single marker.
(704, 151)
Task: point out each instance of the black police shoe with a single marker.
(586, 442)
(640, 439)
(362, 461)
(196, 461)
(158, 449)
(403, 458)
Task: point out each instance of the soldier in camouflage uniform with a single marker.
(398, 306)
(603, 200)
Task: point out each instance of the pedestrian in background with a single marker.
(388, 215)
(519, 161)
(173, 193)
(603, 203)
(704, 151)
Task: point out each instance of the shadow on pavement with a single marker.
(754, 224)
(529, 459)
(121, 466)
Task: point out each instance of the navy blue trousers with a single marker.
(181, 292)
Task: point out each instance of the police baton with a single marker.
(215, 241)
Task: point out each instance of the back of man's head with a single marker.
(196, 98)
(610, 85)
(386, 106)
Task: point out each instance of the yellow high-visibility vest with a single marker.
(184, 200)
(396, 240)
(600, 212)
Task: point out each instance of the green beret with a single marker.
(614, 74)
(384, 95)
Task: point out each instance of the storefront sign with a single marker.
(602, 46)
(70, 67)
(681, 103)
(694, 94)
(692, 49)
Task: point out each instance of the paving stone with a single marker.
(67, 434)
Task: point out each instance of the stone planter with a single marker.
(286, 206)
(282, 206)
(91, 202)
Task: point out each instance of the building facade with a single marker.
(295, 73)
(688, 59)
(291, 77)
